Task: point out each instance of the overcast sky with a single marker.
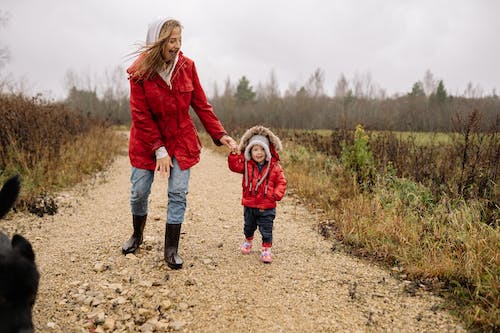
(393, 41)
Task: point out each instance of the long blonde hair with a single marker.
(151, 60)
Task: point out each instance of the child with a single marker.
(263, 182)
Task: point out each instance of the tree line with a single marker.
(426, 107)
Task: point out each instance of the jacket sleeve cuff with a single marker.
(161, 153)
(217, 141)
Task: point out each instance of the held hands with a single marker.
(163, 166)
(230, 143)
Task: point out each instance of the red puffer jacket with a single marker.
(160, 117)
(272, 189)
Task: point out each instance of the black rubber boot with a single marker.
(172, 235)
(135, 240)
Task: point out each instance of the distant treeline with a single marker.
(109, 108)
(408, 113)
(426, 108)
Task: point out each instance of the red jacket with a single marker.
(272, 188)
(160, 117)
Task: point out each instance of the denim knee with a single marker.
(139, 193)
(178, 184)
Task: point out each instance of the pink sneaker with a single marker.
(265, 255)
(246, 248)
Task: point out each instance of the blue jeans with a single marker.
(178, 184)
(261, 218)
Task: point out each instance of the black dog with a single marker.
(18, 273)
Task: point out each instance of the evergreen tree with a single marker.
(441, 93)
(244, 92)
(417, 90)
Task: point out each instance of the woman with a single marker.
(163, 85)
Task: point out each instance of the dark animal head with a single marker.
(18, 273)
(8, 194)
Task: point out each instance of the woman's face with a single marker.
(258, 153)
(172, 45)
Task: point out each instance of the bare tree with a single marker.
(215, 92)
(115, 83)
(429, 83)
(260, 91)
(315, 83)
(342, 87)
(272, 86)
(357, 85)
(79, 81)
(228, 88)
(292, 89)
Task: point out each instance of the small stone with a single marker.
(88, 324)
(109, 324)
(120, 300)
(117, 287)
(144, 312)
(165, 305)
(84, 309)
(146, 284)
(147, 328)
(100, 267)
(99, 329)
(177, 325)
(162, 326)
(131, 256)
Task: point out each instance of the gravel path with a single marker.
(87, 285)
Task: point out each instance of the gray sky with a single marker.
(393, 41)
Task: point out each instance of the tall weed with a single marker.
(50, 147)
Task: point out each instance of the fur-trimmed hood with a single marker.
(275, 144)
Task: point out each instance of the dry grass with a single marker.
(447, 245)
(442, 245)
(51, 148)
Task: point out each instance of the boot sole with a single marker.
(129, 251)
(174, 266)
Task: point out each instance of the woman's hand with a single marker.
(230, 143)
(163, 166)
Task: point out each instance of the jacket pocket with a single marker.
(185, 93)
(186, 87)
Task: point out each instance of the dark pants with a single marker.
(262, 218)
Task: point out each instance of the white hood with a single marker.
(152, 36)
(154, 29)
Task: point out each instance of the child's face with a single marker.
(258, 153)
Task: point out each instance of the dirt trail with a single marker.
(87, 285)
